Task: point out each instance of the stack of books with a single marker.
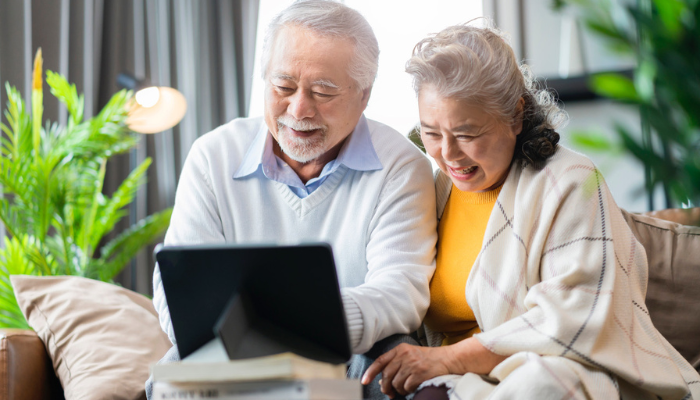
(282, 376)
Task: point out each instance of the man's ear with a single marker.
(517, 126)
(365, 96)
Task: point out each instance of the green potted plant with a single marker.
(52, 207)
(664, 35)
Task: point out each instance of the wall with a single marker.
(557, 45)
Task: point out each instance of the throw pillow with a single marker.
(673, 253)
(101, 338)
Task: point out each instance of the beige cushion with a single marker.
(101, 338)
(673, 295)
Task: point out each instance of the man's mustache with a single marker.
(297, 125)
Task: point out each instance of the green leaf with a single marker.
(86, 230)
(617, 39)
(109, 215)
(120, 250)
(19, 132)
(671, 12)
(66, 94)
(558, 5)
(12, 217)
(12, 262)
(615, 86)
(644, 81)
(592, 140)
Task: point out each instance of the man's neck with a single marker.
(312, 169)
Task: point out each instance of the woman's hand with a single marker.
(405, 367)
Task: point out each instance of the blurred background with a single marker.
(208, 50)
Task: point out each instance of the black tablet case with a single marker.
(260, 300)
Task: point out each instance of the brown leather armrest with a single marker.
(25, 368)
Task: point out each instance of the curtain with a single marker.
(205, 49)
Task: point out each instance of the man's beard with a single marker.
(299, 149)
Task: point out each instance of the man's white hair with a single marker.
(330, 18)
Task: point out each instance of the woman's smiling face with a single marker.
(473, 148)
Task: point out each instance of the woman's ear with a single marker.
(517, 126)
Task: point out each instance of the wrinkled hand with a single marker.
(405, 367)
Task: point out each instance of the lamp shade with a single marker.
(153, 112)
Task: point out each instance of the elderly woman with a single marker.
(539, 287)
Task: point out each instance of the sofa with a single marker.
(671, 239)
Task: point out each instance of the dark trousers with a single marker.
(360, 362)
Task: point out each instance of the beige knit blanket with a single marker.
(559, 286)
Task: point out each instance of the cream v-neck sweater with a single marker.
(381, 224)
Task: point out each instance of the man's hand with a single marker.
(405, 367)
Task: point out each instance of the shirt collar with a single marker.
(254, 156)
(357, 153)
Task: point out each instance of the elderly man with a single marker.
(315, 169)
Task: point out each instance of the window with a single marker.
(398, 25)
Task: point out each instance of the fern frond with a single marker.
(61, 248)
(108, 215)
(52, 178)
(14, 220)
(120, 250)
(10, 319)
(86, 231)
(67, 94)
(20, 124)
(12, 262)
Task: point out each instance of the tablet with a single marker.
(259, 300)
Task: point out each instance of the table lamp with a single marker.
(154, 108)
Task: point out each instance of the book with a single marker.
(285, 366)
(310, 389)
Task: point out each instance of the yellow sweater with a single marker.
(460, 234)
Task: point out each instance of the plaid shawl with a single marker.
(559, 285)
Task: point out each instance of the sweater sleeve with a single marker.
(400, 257)
(353, 314)
(195, 220)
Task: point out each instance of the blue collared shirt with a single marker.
(357, 153)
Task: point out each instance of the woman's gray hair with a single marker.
(478, 65)
(330, 18)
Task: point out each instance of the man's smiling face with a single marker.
(311, 102)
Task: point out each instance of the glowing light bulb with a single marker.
(147, 97)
